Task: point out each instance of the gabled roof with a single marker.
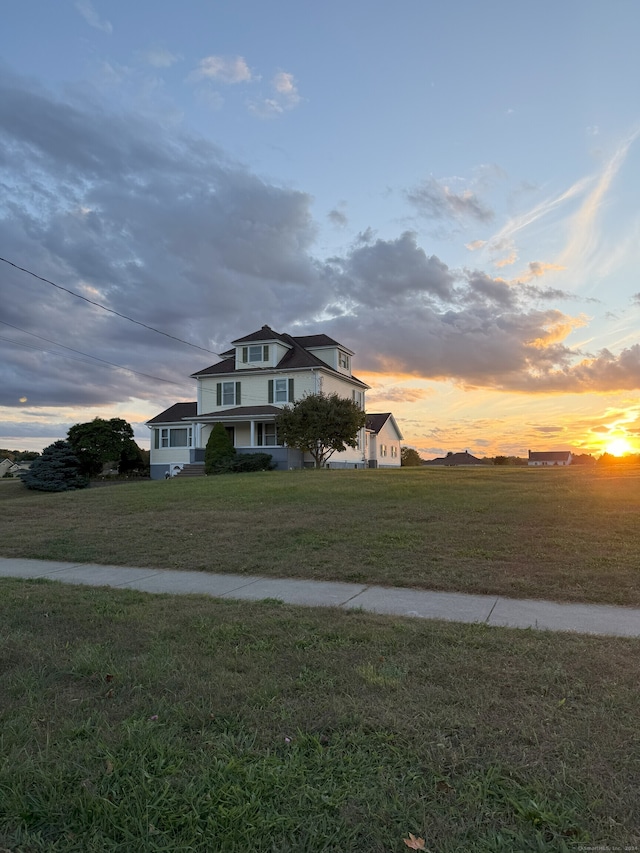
(375, 422)
(175, 413)
(549, 455)
(265, 334)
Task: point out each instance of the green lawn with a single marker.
(135, 723)
(565, 534)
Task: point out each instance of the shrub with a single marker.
(219, 452)
(56, 470)
(252, 462)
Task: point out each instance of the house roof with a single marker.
(376, 420)
(549, 455)
(266, 333)
(296, 357)
(242, 412)
(175, 413)
(465, 458)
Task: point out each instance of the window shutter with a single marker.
(218, 393)
(271, 390)
(291, 390)
(265, 353)
(237, 393)
(245, 354)
(156, 438)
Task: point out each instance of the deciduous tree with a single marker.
(320, 424)
(410, 457)
(100, 441)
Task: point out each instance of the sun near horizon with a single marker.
(618, 447)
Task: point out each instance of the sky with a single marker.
(448, 189)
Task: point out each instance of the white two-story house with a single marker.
(245, 391)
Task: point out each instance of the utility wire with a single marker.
(104, 308)
(79, 352)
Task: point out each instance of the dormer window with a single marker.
(343, 360)
(257, 353)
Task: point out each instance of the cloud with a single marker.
(159, 57)
(284, 97)
(436, 200)
(163, 226)
(584, 238)
(223, 69)
(337, 218)
(398, 395)
(85, 8)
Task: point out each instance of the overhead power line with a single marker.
(85, 355)
(104, 307)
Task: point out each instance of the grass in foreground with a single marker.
(134, 722)
(567, 534)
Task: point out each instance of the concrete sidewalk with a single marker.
(450, 606)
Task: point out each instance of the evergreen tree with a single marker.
(56, 470)
(219, 452)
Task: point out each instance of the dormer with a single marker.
(337, 357)
(259, 350)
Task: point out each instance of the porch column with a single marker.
(253, 433)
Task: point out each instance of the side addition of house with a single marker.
(245, 391)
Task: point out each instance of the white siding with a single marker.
(388, 438)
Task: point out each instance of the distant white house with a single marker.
(246, 390)
(8, 466)
(549, 458)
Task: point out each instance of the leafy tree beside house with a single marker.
(56, 470)
(101, 441)
(320, 424)
(409, 457)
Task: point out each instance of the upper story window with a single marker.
(228, 394)
(255, 353)
(357, 396)
(280, 391)
(344, 360)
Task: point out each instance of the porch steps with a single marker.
(193, 469)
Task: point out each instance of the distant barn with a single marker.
(549, 457)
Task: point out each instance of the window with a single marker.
(266, 435)
(174, 437)
(383, 450)
(280, 391)
(356, 396)
(255, 353)
(228, 394)
(343, 359)
(394, 451)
